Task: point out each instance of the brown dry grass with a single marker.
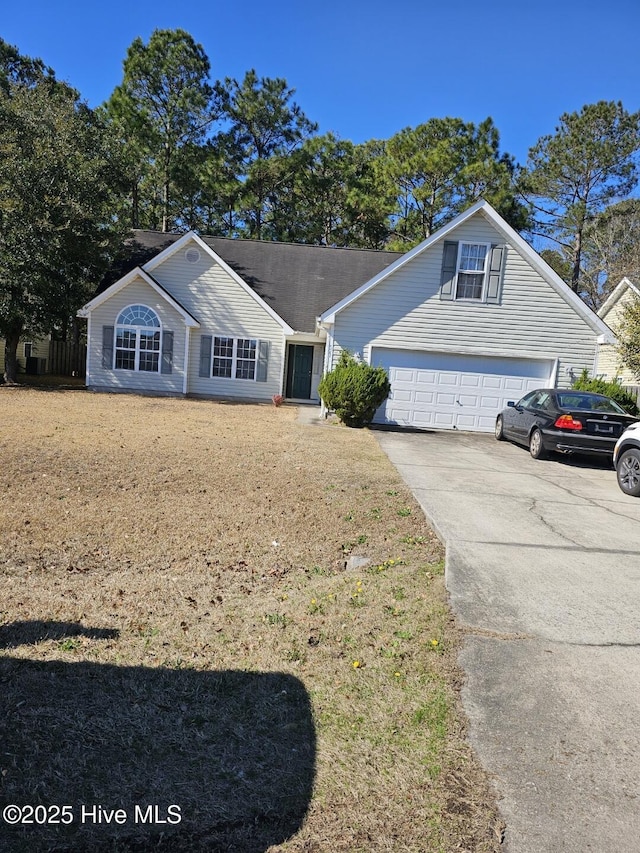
(177, 627)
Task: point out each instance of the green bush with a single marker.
(612, 389)
(354, 390)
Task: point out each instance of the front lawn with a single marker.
(178, 630)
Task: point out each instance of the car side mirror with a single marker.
(511, 404)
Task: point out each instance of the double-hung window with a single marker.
(472, 267)
(223, 357)
(138, 333)
(234, 358)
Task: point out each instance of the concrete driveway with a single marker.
(543, 570)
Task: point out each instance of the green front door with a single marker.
(299, 372)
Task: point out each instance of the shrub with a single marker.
(612, 389)
(354, 390)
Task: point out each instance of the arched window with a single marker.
(138, 339)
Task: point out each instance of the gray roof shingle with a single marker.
(298, 281)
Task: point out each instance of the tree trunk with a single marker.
(135, 205)
(166, 178)
(577, 260)
(12, 340)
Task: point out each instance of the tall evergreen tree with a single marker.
(441, 167)
(264, 126)
(164, 102)
(58, 188)
(332, 196)
(611, 250)
(572, 175)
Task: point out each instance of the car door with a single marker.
(518, 417)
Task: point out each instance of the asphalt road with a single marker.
(543, 570)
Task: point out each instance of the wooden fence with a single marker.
(67, 359)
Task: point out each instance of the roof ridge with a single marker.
(298, 245)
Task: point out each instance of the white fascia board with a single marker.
(138, 272)
(191, 236)
(616, 294)
(511, 236)
(329, 316)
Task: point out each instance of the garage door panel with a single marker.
(446, 391)
(491, 403)
(424, 397)
(404, 375)
(446, 378)
(469, 380)
(492, 382)
(428, 376)
(445, 399)
(486, 424)
(469, 400)
(520, 385)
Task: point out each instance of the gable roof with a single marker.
(295, 280)
(616, 295)
(138, 272)
(510, 235)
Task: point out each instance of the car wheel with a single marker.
(536, 447)
(499, 431)
(628, 472)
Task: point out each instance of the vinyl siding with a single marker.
(223, 308)
(609, 364)
(98, 378)
(531, 319)
(40, 349)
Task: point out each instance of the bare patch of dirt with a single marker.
(177, 628)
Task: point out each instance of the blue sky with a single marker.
(365, 69)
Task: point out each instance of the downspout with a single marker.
(328, 361)
(600, 341)
(87, 370)
(186, 359)
(282, 362)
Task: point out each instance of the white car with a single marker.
(626, 459)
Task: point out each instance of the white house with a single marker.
(470, 318)
(611, 311)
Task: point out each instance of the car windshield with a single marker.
(589, 402)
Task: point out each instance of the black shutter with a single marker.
(167, 352)
(495, 273)
(107, 347)
(205, 355)
(449, 266)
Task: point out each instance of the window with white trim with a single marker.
(234, 358)
(471, 270)
(138, 332)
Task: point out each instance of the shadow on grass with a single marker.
(225, 759)
(46, 382)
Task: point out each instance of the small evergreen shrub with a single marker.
(354, 390)
(612, 389)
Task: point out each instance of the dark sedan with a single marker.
(560, 420)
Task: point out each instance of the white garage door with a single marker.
(444, 391)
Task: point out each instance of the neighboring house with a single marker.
(609, 365)
(470, 318)
(32, 355)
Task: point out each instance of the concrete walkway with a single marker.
(543, 570)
